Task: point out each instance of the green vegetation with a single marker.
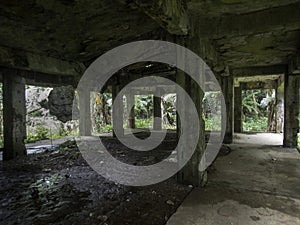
(256, 108)
(41, 132)
(143, 109)
(36, 113)
(144, 123)
(106, 129)
(213, 124)
(143, 106)
(255, 124)
(256, 105)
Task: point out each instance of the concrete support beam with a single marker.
(270, 84)
(258, 70)
(238, 123)
(291, 110)
(14, 116)
(130, 111)
(131, 76)
(157, 125)
(118, 113)
(40, 79)
(16, 59)
(149, 90)
(227, 88)
(85, 124)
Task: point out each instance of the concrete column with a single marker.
(85, 124)
(238, 123)
(130, 112)
(227, 88)
(291, 110)
(180, 80)
(190, 174)
(157, 125)
(118, 113)
(279, 107)
(14, 116)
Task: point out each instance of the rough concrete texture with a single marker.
(70, 30)
(14, 116)
(257, 183)
(291, 110)
(60, 34)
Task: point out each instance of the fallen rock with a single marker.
(169, 202)
(60, 102)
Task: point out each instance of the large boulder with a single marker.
(60, 102)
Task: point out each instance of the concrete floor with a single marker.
(257, 183)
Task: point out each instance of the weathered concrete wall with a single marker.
(157, 125)
(291, 110)
(118, 113)
(280, 108)
(238, 123)
(130, 112)
(14, 116)
(227, 88)
(85, 124)
(190, 174)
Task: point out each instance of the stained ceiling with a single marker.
(244, 33)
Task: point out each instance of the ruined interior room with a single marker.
(243, 98)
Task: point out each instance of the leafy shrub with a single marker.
(255, 124)
(212, 123)
(40, 133)
(144, 123)
(106, 129)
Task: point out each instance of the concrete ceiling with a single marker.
(72, 30)
(245, 34)
(250, 33)
(237, 7)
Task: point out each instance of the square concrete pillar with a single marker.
(190, 173)
(130, 111)
(227, 88)
(85, 124)
(238, 123)
(279, 107)
(291, 110)
(118, 113)
(157, 125)
(14, 116)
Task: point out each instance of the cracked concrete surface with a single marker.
(257, 183)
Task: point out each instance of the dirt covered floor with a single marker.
(58, 187)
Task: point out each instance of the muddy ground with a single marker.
(58, 187)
